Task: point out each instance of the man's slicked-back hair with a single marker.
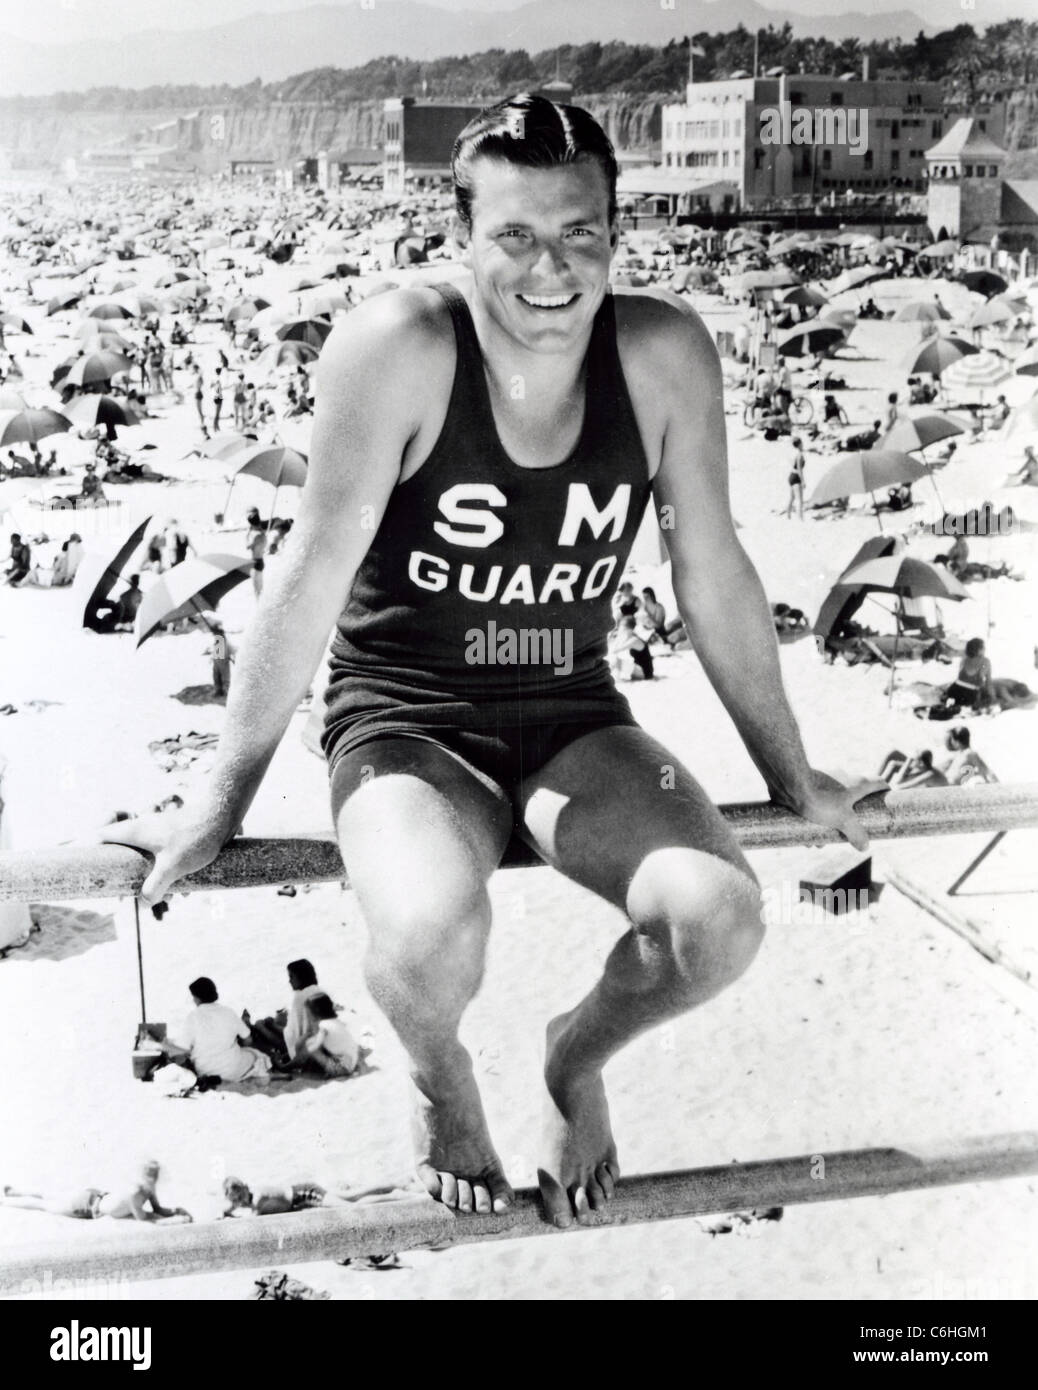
(534, 133)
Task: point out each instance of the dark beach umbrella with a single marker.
(194, 587)
(285, 354)
(15, 322)
(984, 282)
(904, 577)
(844, 599)
(808, 338)
(30, 426)
(64, 301)
(937, 353)
(805, 297)
(312, 331)
(110, 309)
(96, 367)
(920, 431)
(112, 574)
(101, 410)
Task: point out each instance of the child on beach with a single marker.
(241, 1201)
(332, 1047)
(222, 654)
(140, 1203)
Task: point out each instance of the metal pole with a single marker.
(971, 868)
(100, 1249)
(112, 871)
(140, 956)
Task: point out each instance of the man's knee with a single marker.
(417, 936)
(710, 920)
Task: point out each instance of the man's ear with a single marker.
(614, 233)
(461, 237)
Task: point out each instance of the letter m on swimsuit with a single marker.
(580, 507)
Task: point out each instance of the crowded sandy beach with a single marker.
(156, 409)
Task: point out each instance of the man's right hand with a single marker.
(180, 841)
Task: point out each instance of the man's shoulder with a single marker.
(410, 320)
(656, 320)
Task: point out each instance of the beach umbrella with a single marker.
(305, 282)
(807, 338)
(63, 301)
(843, 599)
(904, 577)
(939, 250)
(776, 279)
(111, 574)
(991, 312)
(276, 464)
(101, 410)
(110, 309)
(28, 426)
(921, 311)
(190, 289)
(225, 446)
(984, 282)
(865, 470)
(245, 309)
(977, 372)
(93, 334)
(845, 319)
(170, 278)
(10, 400)
(191, 588)
(312, 331)
(9, 319)
(805, 297)
(140, 302)
(920, 431)
(1027, 363)
(285, 354)
(96, 367)
(936, 354)
(322, 302)
(859, 275)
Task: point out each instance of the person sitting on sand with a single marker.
(917, 771)
(788, 619)
(965, 764)
(211, 1036)
(626, 641)
(141, 1203)
(332, 1047)
(655, 617)
(284, 1035)
(995, 418)
(21, 561)
(1027, 476)
(834, 412)
(119, 615)
(971, 688)
(866, 440)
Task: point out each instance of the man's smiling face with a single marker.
(540, 246)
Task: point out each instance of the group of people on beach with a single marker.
(306, 1037)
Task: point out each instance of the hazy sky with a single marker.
(54, 21)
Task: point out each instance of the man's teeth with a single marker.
(547, 301)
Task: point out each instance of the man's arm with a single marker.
(718, 592)
(370, 382)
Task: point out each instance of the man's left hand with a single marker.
(828, 802)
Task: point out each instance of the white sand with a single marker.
(882, 1028)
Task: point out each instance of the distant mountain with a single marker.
(273, 46)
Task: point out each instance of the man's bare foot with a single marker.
(457, 1163)
(581, 1168)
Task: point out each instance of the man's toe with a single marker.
(581, 1205)
(430, 1180)
(605, 1179)
(501, 1193)
(481, 1197)
(465, 1202)
(557, 1207)
(449, 1190)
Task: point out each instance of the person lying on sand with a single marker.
(241, 1201)
(1027, 476)
(141, 1203)
(918, 771)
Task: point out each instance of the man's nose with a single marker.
(550, 258)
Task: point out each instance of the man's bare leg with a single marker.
(617, 813)
(420, 837)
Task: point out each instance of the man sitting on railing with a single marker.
(481, 458)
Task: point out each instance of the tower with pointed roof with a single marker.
(964, 194)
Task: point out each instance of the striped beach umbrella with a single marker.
(920, 431)
(977, 372)
(921, 311)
